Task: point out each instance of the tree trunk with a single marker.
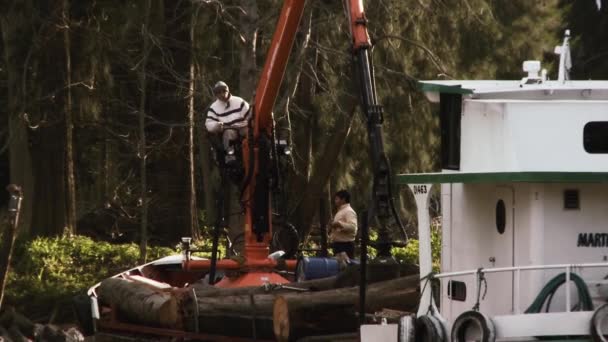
(194, 226)
(325, 217)
(333, 312)
(312, 183)
(11, 318)
(308, 202)
(142, 153)
(302, 136)
(208, 176)
(107, 167)
(249, 29)
(168, 69)
(20, 328)
(247, 72)
(140, 303)
(297, 317)
(14, 26)
(69, 125)
(236, 314)
(8, 242)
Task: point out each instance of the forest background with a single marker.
(102, 104)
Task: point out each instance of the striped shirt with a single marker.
(233, 114)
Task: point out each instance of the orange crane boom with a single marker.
(257, 147)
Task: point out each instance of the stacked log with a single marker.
(295, 313)
(16, 327)
(140, 302)
(347, 278)
(316, 307)
(335, 311)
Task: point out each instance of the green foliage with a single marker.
(409, 253)
(47, 272)
(203, 247)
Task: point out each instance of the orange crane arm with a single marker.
(257, 146)
(276, 62)
(358, 25)
(258, 211)
(257, 149)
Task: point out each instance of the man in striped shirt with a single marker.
(229, 116)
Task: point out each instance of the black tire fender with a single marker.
(599, 316)
(473, 318)
(429, 329)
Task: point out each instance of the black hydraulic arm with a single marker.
(382, 203)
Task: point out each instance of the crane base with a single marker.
(252, 278)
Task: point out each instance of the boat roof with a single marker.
(516, 90)
(175, 259)
(503, 177)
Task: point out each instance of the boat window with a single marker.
(501, 217)
(450, 113)
(457, 290)
(595, 137)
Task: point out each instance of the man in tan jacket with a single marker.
(343, 228)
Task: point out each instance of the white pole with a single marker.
(517, 292)
(568, 300)
(565, 62)
(421, 194)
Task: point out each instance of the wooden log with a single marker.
(151, 283)
(348, 337)
(312, 314)
(8, 237)
(140, 303)
(240, 303)
(5, 335)
(52, 333)
(20, 328)
(11, 318)
(348, 277)
(250, 314)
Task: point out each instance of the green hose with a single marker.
(585, 302)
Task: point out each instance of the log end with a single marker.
(168, 313)
(280, 319)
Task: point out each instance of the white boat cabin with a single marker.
(524, 197)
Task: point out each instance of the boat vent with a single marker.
(571, 199)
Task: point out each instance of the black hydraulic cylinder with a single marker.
(219, 224)
(382, 197)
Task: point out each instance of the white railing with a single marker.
(517, 274)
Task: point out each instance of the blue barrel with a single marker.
(309, 268)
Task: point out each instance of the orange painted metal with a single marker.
(229, 264)
(358, 24)
(276, 61)
(257, 267)
(256, 252)
(252, 278)
(253, 248)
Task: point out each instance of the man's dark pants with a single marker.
(347, 247)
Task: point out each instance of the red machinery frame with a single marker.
(257, 268)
